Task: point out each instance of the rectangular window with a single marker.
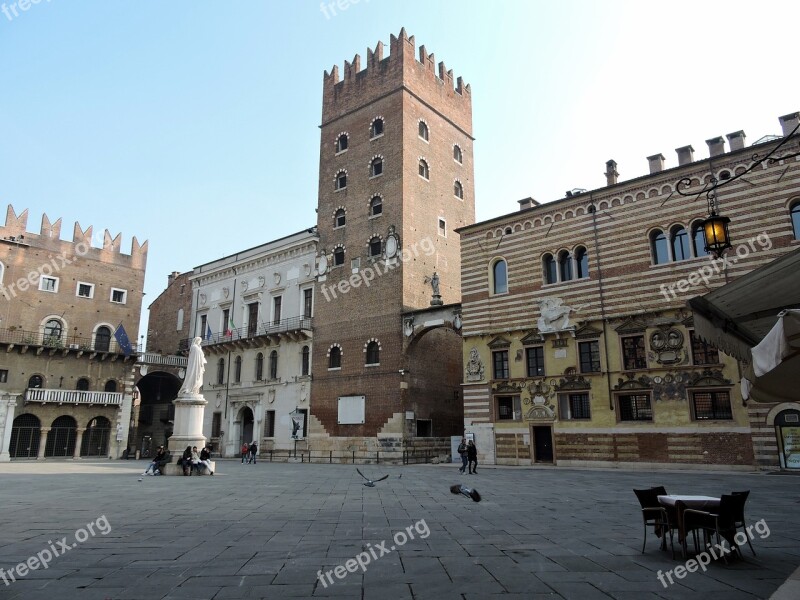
(277, 301)
(500, 360)
(712, 405)
(252, 319)
(269, 424)
(85, 290)
(48, 284)
(509, 408)
(308, 302)
(535, 361)
(589, 356)
(3, 375)
(633, 353)
(442, 227)
(424, 428)
(203, 333)
(635, 407)
(118, 296)
(702, 353)
(216, 424)
(574, 406)
(226, 317)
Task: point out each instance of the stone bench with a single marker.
(174, 468)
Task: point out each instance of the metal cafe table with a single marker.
(676, 504)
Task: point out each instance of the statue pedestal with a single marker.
(188, 427)
(436, 300)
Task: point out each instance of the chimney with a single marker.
(736, 140)
(716, 146)
(527, 203)
(685, 155)
(611, 172)
(789, 122)
(656, 163)
(172, 277)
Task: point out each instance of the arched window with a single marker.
(376, 167)
(220, 371)
(102, 339)
(335, 358)
(698, 239)
(500, 277)
(341, 180)
(52, 331)
(259, 366)
(273, 364)
(549, 269)
(423, 169)
(237, 371)
(305, 362)
(340, 218)
(111, 386)
(457, 156)
(376, 128)
(375, 206)
(795, 213)
(423, 130)
(36, 381)
(581, 262)
(458, 189)
(373, 353)
(375, 247)
(338, 256)
(341, 143)
(565, 265)
(82, 385)
(658, 246)
(680, 244)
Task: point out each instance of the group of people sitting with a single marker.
(190, 461)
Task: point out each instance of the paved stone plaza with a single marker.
(264, 531)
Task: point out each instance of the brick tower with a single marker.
(395, 181)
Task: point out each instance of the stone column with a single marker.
(78, 442)
(42, 442)
(187, 429)
(7, 405)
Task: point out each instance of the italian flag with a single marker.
(231, 326)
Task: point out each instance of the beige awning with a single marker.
(738, 316)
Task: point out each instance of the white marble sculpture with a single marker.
(195, 367)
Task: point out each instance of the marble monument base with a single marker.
(187, 429)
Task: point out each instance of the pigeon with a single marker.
(371, 483)
(460, 489)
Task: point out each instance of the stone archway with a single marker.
(61, 438)
(96, 437)
(245, 425)
(25, 436)
(153, 417)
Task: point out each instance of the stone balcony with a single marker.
(55, 396)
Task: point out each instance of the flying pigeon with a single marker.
(460, 489)
(371, 483)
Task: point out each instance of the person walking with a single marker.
(245, 450)
(253, 452)
(472, 456)
(462, 451)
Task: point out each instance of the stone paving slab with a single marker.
(267, 530)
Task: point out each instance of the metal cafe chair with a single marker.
(722, 523)
(740, 522)
(656, 516)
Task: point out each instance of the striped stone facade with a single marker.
(597, 365)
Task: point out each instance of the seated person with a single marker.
(205, 458)
(158, 462)
(186, 460)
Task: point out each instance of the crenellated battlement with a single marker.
(83, 241)
(401, 69)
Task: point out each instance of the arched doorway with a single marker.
(102, 339)
(787, 428)
(25, 433)
(154, 417)
(246, 422)
(61, 439)
(95, 438)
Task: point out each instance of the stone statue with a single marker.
(195, 367)
(474, 368)
(435, 284)
(555, 315)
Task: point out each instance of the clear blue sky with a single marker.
(194, 125)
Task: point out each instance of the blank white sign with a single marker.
(351, 410)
